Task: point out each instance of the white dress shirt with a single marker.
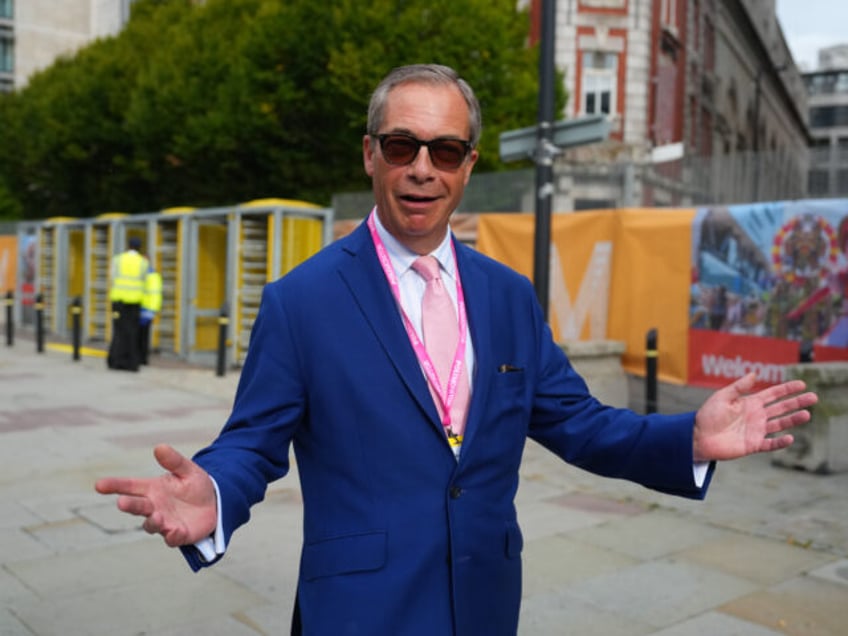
(411, 285)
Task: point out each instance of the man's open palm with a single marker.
(735, 422)
(180, 505)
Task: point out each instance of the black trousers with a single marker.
(124, 351)
(143, 342)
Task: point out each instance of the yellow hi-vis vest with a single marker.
(152, 298)
(129, 270)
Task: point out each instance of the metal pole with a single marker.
(651, 356)
(545, 153)
(39, 323)
(10, 320)
(223, 321)
(76, 311)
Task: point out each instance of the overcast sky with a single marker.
(809, 25)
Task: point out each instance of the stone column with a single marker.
(821, 445)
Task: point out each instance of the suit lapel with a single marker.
(367, 282)
(475, 287)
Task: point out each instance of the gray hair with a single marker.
(424, 74)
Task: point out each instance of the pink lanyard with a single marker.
(420, 351)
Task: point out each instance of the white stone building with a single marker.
(34, 33)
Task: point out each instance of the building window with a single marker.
(696, 23)
(819, 183)
(828, 116)
(7, 9)
(693, 125)
(7, 51)
(820, 152)
(670, 15)
(606, 5)
(822, 84)
(830, 83)
(709, 45)
(706, 133)
(600, 81)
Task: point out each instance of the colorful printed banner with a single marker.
(728, 289)
(776, 272)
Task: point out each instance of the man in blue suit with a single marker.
(410, 526)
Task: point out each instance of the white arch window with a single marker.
(600, 83)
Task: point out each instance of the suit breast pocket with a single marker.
(510, 377)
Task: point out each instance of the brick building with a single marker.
(700, 93)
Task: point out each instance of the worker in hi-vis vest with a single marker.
(151, 303)
(129, 271)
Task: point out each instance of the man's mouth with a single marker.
(415, 198)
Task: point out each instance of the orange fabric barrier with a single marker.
(8, 263)
(615, 274)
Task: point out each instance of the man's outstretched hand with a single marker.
(181, 504)
(734, 421)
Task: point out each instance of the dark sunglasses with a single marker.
(400, 149)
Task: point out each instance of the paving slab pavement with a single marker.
(766, 553)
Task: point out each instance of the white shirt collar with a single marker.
(402, 257)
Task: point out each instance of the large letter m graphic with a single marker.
(592, 297)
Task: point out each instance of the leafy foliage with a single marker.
(232, 100)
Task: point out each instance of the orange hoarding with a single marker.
(614, 275)
(651, 281)
(8, 263)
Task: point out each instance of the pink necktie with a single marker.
(441, 335)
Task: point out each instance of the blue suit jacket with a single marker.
(399, 537)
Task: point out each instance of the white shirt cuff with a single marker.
(213, 546)
(699, 472)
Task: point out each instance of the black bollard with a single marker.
(223, 321)
(76, 326)
(10, 322)
(651, 356)
(39, 323)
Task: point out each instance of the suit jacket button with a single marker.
(455, 492)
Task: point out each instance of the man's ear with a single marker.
(368, 154)
(469, 165)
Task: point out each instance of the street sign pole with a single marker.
(521, 143)
(543, 143)
(545, 153)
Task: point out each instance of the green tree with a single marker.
(317, 65)
(190, 108)
(10, 204)
(10, 208)
(73, 155)
(231, 100)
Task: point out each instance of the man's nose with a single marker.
(422, 163)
